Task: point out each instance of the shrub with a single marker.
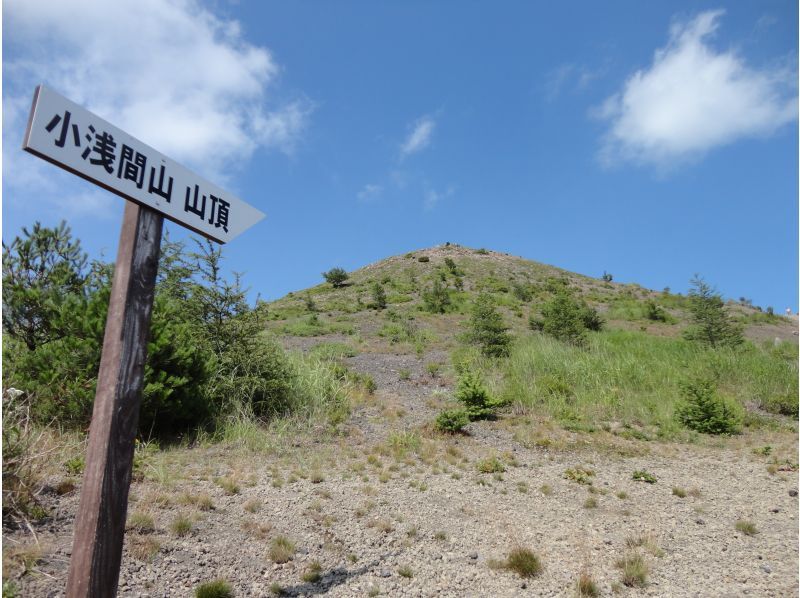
(336, 276)
(654, 312)
(475, 396)
(487, 328)
(703, 410)
(562, 318)
(711, 324)
(378, 296)
(436, 300)
(451, 266)
(607, 277)
(424, 259)
(451, 421)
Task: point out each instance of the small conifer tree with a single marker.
(336, 276)
(711, 323)
(487, 328)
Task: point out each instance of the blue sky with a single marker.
(650, 140)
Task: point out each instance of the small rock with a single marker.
(523, 585)
(384, 573)
(473, 555)
(766, 568)
(792, 492)
(776, 510)
(607, 542)
(699, 521)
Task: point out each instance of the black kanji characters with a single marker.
(104, 147)
(220, 209)
(62, 135)
(131, 165)
(159, 190)
(194, 209)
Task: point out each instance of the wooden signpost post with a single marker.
(73, 138)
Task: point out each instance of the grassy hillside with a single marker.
(630, 375)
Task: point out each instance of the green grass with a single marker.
(634, 570)
(524, 563)
(634, 377)
(281, 549)
(219, 588)
(181, 525)
(748, 528)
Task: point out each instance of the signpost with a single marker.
(80, 142)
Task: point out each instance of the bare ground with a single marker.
(388, 508)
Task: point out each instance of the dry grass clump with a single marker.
(253, 505)
(313, 572)
(256, 529)
(523, 562)
(141, 522)
(228, 484)
(281, 549)
(201, 501)
(586, 587)
(405, 571)
(634, 570)
(142, 548)
(181, 525)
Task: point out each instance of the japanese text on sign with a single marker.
(75, 139)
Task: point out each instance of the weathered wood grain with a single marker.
(100, 523)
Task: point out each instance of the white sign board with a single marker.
(73, 138)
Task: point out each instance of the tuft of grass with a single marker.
(219, 588)
(748, 528)
(181, 525)
(622, 495)
(524, 562)
(634, 570)
(281, 549)
(679, 492)
(440, 535)
(143, 548)
(141, 522)
(590, 503)
(316, 477)
(313, 572)
(491, 465)
(276, 589)
(405, 571)
(546, 489)
(228, 484)
(253, 505)
(586, 587)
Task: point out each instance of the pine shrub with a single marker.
(703, 410)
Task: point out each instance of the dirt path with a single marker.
(389, 510)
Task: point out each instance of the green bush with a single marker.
(378, 296)
(451, 421)
(487, 329)
(475, 396)
(703, 410)
(336, 276)
(711, 324)
(563, 318)
(654, 312)
(436, 300)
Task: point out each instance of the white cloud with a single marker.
(692, 99)
(420, 136)
(167, 71)
(433, 197)
(370, 193)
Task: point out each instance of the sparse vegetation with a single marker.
(181, 525)
(586, 586)
(748, 528)
(634, 570)
(281, 549)
(644, 476)
(451, 421)
(219, 588)
(524, 562)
